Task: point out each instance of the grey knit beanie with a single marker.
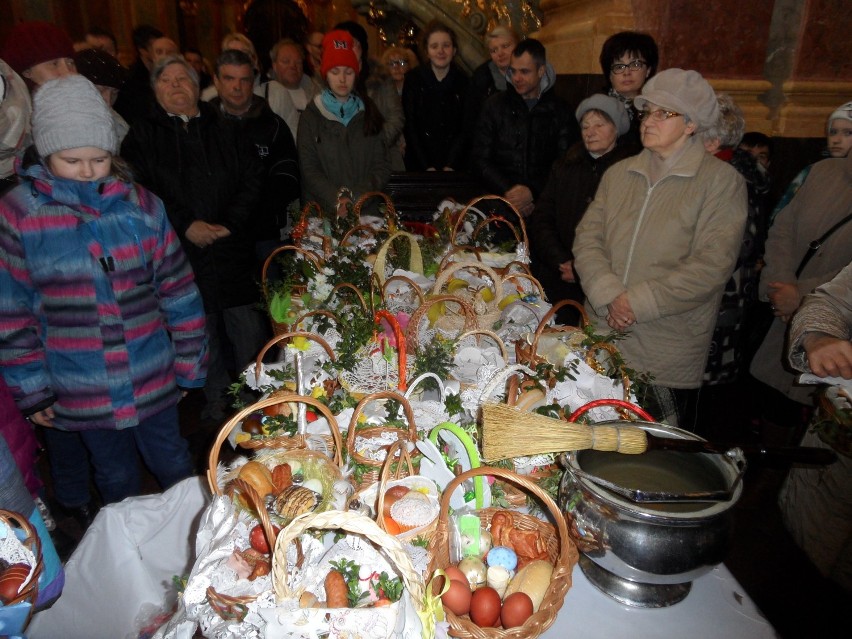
(68, 113)
(683, 91)
(609, 105)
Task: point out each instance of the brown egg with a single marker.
(457, 598)
(393, 495)
(517, 608)
(253, 424)
(11, 581)
(485, 607)
(455, 574)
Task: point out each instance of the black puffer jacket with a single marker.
(570, 189)
(276, 150)
(203, 170)
(517, 145)
(435, 119)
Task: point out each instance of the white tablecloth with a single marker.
(716, 607)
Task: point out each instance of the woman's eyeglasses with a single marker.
(659, 115)
(633, 65)
(398, 63)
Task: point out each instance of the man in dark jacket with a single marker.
(272, 140)
(209, 179)
(522, 130)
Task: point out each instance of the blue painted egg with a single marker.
(502, 556)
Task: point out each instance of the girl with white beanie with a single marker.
(101, 324)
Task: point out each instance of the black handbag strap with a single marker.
(814, 246)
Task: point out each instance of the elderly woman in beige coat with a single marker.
(823, 201)
(656, 247)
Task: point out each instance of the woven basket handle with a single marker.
(413, 385)
(407, 280)
(416, 264)
(350, 522)
(445, 276)
(257, 504)
(556, 515)
(236, 420)
(406, 408)
(500, 377)
(301, 224)
(481, 198)
(592, 361)
(514, 277)
(401, 351)
(398, 450)
(351, 287)
(523, 269)
(317, 311)
(613, 403)
(258, 363)
(358, 228)
(411, 332)
(499, 219)
(479, 332)
(308, 255)
(458, 250)
(390, 211)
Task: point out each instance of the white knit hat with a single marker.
(69, 113)
(841, 113)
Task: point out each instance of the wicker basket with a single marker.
(562, 553)
(294, 443)
(399, 301)
(349, 522)
(462, 314)
(346, 286)
(371, 476)
(300, 228)
(28, 592)
(487, 313)
(479, 334)
(282, 327)
(461, 253)
(528, 353)
(227, 606)
(398, 470)
(391, 217)
(520, 235)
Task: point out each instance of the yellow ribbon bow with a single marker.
(432, 610)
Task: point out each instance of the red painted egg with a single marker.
(11, 581)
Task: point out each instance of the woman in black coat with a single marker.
(434, 99)
(570, 189)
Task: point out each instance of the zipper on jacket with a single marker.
(636, 231)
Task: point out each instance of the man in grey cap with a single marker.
(657, 245)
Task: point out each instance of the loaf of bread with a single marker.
(533, 579)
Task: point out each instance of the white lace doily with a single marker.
(14, 552)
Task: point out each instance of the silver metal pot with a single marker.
(647, 525)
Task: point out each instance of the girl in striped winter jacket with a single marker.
(101, 324)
